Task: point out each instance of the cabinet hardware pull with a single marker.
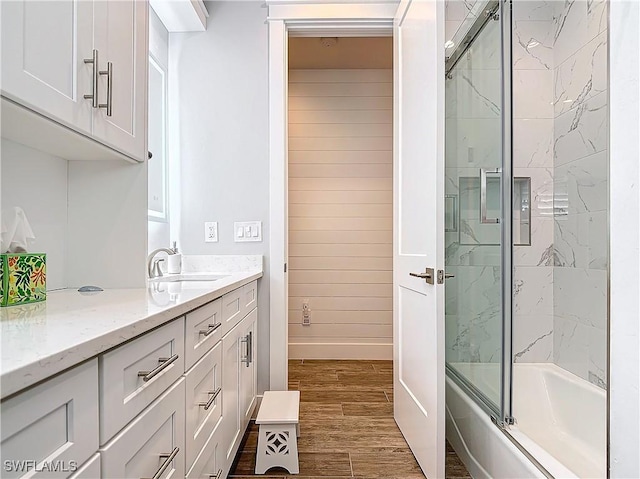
(214, 395)
(164, 363)
(163, 467)
(212, 328)
(218, 475)
(94, 79)
(109, 104)
(248, 340)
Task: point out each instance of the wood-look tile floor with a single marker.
(346, 426)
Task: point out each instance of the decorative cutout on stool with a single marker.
(277, 443)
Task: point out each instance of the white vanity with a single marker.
(130, 383)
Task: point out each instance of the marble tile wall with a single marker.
(581, 188)
(533, 117)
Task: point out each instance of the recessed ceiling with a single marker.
(341, 53)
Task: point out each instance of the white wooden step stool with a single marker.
(279, 430)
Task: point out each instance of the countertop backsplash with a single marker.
(221, 263)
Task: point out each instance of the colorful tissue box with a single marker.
(23, 278)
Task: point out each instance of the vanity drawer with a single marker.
(134, 374)
(154, 440)
(203, 330)
(232, 309)
(250, 297)
(203, 401)
(89, 470)
(210, 463)
(55, 421)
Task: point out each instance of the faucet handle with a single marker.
(156, 271)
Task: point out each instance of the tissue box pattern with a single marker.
(23, 278)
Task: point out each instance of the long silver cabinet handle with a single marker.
(214, 395)
(218, 475)
(163, 467)
(483, 195)
(164, 364)
(212, 328)
(94, 79)
(248, 339)
(109, 104)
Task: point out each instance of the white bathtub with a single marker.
(560, 420)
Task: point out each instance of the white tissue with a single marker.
(16, 231)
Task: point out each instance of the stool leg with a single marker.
(277, 446)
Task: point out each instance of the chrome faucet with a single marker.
(153, 269)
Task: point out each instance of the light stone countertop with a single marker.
(42, 339)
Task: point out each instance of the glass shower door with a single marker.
(473, 211)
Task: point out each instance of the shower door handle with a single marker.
(483, 195)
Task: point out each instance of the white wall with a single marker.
(624, 148)
(340, 213)
(37, 182)
(219, 131)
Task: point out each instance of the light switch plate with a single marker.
(211, 232)
(245, 231)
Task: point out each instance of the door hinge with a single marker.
(285, 267)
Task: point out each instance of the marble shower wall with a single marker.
(581, 188)
(533, 117)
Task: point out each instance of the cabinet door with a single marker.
(120, 36)
(204, 401)
(238, 382)
(134, 374)
(232, 433)
(55, 423)
(89, 470)
(203, 330)
(248, 378)
(210, 463)
(152, 443)
(44, 45)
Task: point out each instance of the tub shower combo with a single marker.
(526, 225)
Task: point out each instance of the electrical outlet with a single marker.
(211, 231)
(306, 313)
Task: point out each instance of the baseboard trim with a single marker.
(371, 351)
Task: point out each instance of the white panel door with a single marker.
(44, 44)
(120, 36)
(419, 353)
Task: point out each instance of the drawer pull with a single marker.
(214, 395)
(168, 458)
(216, 476)
(248, 340)
(164, 363)
(212, 328)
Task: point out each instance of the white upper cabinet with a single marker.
(44, 44)
(82, 64)
(120, 37)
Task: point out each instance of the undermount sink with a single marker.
(172, 278)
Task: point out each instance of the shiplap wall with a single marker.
(340, 213)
